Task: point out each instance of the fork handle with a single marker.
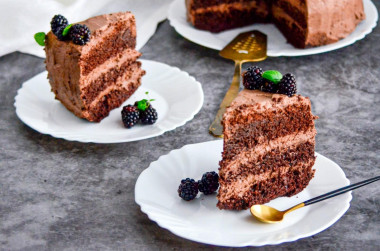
(340, 191)
(216, 128)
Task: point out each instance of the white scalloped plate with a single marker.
(200, 220)
(178, 97)
(277, 44)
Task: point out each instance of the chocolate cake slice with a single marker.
(268, 148)
(92, 79)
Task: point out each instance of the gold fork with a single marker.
(246, 47)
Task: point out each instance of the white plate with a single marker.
(277, 45)
(200, 220)
(178, 97)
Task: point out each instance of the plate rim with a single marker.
(294, 52)
(85, 139)
(156, 219)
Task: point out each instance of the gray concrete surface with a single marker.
(61, 195)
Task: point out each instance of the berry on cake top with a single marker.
(254, 78)
(77, 33)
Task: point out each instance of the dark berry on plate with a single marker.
(188, 189)
(80, 34)
(252, 78)
(288, 85)
(130, 115)
(60, 35)
(269, 86)
(57, 22)
(209, 183)
(149, 116)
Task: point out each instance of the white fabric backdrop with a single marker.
(21, 19)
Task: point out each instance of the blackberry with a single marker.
(60, 35)
(252, 79)
(79, 34)
(288, 85)
(56, 22)
(209, 183)
(130, 116)
(269, 86)
(149, 116)
(188, 189)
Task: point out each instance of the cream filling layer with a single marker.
(239, 187)
(123, 82)
(115, 61)
(250, 156)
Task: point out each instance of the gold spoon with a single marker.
(269, 214)
(249, 46)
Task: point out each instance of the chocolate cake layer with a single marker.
(107, 79)
(127, 55)
(268, 162)
(220, 21)
(232, 169)
(112, 99)
(199, 4)
(216, 18)
(285, 181)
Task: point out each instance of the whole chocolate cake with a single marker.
(305, 23)
(92, 79)
(268, 148)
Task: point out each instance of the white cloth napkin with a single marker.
(21, 19)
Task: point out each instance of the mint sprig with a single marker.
(40, 38)
(143, 104)
(273, 76)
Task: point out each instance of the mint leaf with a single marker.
(66, 30)
(274, 76)
(40, 38)
(142, 104)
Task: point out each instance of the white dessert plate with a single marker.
(178, 97)
(200, 220)
(277, 44)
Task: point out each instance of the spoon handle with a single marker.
(340, 191)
